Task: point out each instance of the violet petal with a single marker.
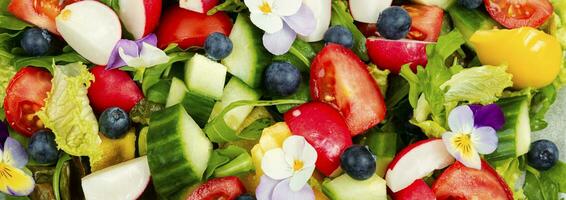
(150, 39)
(3, 134)
(283, 192)
(302, 22)
(488, 115)
(130, 48)
(265, 188)
(14, 154)
(280, 42)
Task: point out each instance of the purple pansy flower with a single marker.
(473, 132)
(139, 53)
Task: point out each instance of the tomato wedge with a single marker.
(41, 13)
(426, 22)
(226, 188)
(341, 79)
(461, 182)
(24, 97)
(519, 13)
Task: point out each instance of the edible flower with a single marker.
(141, 53)
(281, 20)
(287, 170)
(473, 132)
(13, 180)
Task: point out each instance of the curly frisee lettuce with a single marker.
(68, 114)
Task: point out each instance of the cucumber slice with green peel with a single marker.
(345, 187)
(515, 136)
(159, 92)
(177, 150)
(235, 90)
(198, 106)
(204, 76)
(249, 58)
(468, 21)
(177, 92)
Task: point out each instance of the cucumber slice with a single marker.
(159, 92)
(248, 58)
(345, 187)
(515, 137)
(468, 21)
(177, 151)
(177, 92)
(198, 106)
(204, 76)
(235, 90)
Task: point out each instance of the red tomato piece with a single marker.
(426, 22)
(418, 190)
(225, 188)
(41, 13)
(461, 182)
(113, 88)
(188, 28)
(25, 96)
(325, 129)
(341, 79)
(515, 14)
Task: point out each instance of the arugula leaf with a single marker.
(232, 160)
(541, 101)
(557, 174)
(341, 16)
(300, 55)
(481, 85)
(47, 61)
(303, 93)
(10, 22)
(114, 4)
(384, 145)
(152, 75)
(539, 186)
(228, 6)
(253, 131)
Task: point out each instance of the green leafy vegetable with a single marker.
(539, 186)
(232, 160)
(384, 145)
(142, 111)
(380, 77)
(541, 101)
(428, 81)
(483, 85)
(152, 75)
(47, 61)
(68, 114)
(341, 16)
(228, 6)
(557, 174)
(253, 131)
(511, 170)
(300, 55)
(12, 23)
(57, 175)
(6, 74)
(303, 93)
(218, 131)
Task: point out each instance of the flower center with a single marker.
(265, 8)
(463, 143)
(5, 172)
(298, 165)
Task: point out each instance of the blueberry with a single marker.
(246, 197)
(42, 147)
(339, 35)
(543, 154)
(470, 4)
(114, 122)
(217, 46)
(394, 23)
(35, 41)
(358, 162)
(282, 78)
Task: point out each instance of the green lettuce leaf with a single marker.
(232, 160)
(431, 128)
(512, 170)
(483, 85)
(380, 77)
(68, 114)
(558, 174)
(341, 16)
(428, 81)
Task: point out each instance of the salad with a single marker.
(280, 99)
